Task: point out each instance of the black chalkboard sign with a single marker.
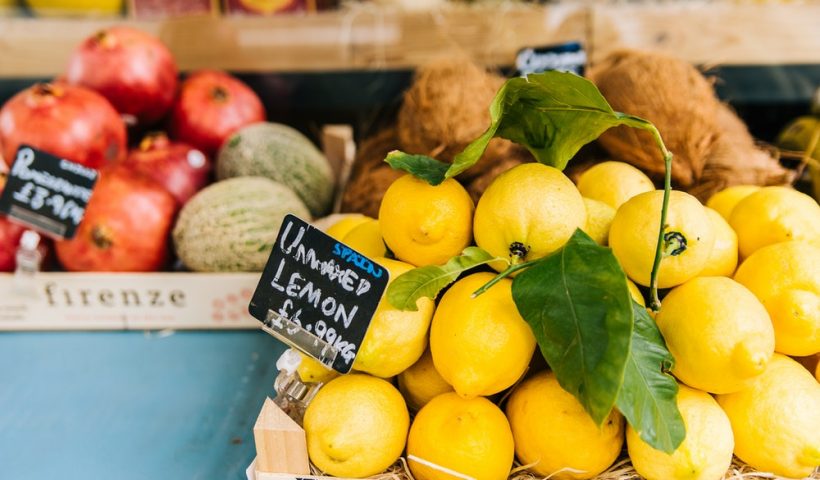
(46, 192)
(565, 57)
(318, 294)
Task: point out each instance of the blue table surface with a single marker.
(132, 405)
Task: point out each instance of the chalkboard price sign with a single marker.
(565, 57)
(46, 192)
(318, 294)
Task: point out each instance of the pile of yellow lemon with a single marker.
(731, 330)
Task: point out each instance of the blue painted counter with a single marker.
(132, 405)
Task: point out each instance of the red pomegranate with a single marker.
(125, 228)
(132, 69)
(67, 121)
(180, 168)
(210, 107)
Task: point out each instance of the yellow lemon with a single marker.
(528, 212)
(345, 223)
(688, 237)
(722, 261)
(466, 437)
(395, 338)
(786, 278)
(725, 200)
(774, 215)
(599, 218)
(635, 292)
(776, 420)
(356, 426)
(706, 451)
(718, 332)
(424, 224)
(312, 371)
(421, 382)
(366, 238)
(59, 8)
(480, 345)
(554, 433)
(613, 183)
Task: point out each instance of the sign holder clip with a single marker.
(291, 333)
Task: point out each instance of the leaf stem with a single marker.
(636, 122)
(506, 273)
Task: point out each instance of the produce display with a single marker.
(600, 278)
(119, 90)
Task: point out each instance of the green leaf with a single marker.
(578, 305)
(648, 395)
(428, 281)
(553, 114)
(426, 168)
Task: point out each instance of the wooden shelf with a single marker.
(369, 37)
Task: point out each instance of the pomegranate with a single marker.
(125, 228)
(180, 168)
(67, 121)
(210, 107)
(132, 69)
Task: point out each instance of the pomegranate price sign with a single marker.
(317, 294)
(47, 193)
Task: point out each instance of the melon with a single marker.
(231, 226)
(280, 153)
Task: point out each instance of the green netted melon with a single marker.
(282, 154)
(231, 226)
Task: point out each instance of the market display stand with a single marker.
(132, 405)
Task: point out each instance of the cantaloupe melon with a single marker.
(280, 153)
(231, 226)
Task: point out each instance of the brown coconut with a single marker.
(370, 176)
(670, 93)
(735, 159)
(446, 108)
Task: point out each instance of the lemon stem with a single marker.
(636, 122)
(506, 273)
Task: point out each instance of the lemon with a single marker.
(706, 452)
(773, 215)
(635, 292)
(599, 218)
(366, 238)
(480, 345)
(776, 420)
(718, 332)
(312, 371)
(689, 237)
(786, 278)
(722, 261)
(424, 224)
(395, 338)
(421, 382)
(554, 433)
(613, 183)
(725, 200)
(528, 212)
(469, 437)
(345, 224)
(356, 426)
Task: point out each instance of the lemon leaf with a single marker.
(648, 395)
(553, 114)
(578, 304)
(421, 166)
(428, 281)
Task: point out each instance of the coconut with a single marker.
(670, 93)
(446, 108)
(735, 159)
(370, 176)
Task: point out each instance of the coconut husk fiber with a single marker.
(735, 159)
(370, 176)
(446, 108)
(674, 96)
